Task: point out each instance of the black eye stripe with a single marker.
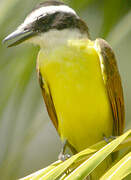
(59, 20)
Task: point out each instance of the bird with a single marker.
(78, 76)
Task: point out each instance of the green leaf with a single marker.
(40, 173)
(90, 164)
(58, 168)
(47, 173)
(120, 169)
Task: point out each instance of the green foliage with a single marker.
(120, 170)
(22, 116)
(90, 159)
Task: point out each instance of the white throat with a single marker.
(55, 38)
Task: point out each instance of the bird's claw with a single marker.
(63, 157)
(108, 139)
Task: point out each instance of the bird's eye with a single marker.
(38, 18)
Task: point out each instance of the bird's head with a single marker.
(49, 20)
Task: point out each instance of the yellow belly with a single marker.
(79, 94)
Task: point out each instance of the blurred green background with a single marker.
(28, 140)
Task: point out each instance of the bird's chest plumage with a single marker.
(79, 94)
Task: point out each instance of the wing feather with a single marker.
(48, 100)
(113, 84)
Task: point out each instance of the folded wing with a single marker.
(113, 84)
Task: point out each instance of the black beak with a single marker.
(22, 35)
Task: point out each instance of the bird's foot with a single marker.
(110, 138)
(63, 157)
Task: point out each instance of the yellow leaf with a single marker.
(90, 164)
(120, 170)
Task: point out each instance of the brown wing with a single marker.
(48, 100)
(113, 84)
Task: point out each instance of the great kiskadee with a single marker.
(79, 77)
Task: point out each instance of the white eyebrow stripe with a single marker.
(43, 11)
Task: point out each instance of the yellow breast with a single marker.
(74, 75)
